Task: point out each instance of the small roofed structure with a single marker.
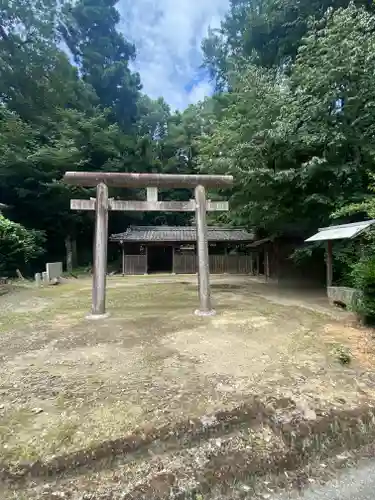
(344, 295)
(151, 249)
(341, 232)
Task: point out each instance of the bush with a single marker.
(363, 275)
(342, 354)
(18, 246)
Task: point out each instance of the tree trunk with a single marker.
(69, 254)
(74, 253)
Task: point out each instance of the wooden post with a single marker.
(123, 257)
(266, 264)
(277, 260)
(251, 263)
(258, 264)
(100, 251)
(152, 194)
(329, 264)
(146, 265)
(203, 258)
(226, 260)
(173, 260)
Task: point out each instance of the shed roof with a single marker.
(344, 231)
(140, 234)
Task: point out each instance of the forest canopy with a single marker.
(292, 116)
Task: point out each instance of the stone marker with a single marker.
(38, 279)
(45, 278)
(54, 270)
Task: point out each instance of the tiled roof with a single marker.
(180, 233)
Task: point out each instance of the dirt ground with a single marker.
(68, 384)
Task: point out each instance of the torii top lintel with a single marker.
(90, 179)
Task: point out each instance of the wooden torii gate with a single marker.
(102, 204)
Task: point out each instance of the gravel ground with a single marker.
(68, 385)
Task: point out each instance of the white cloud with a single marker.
(168, 35)
(199, 92)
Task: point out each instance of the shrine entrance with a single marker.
(102, 204)
(159, 259)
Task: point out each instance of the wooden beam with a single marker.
(150, 206)
(217, 206)
(91, 179)
(82, 204)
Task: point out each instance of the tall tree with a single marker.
(263, 32)
(103, 55)
(301, 146)
(48, 122)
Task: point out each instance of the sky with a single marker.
(168, 36)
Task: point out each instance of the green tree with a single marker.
(332, 113)
(18, 246)
(300, 147)
(103, 56)
(49, 123)
(243, 143)
(36, 78)
(263, 32)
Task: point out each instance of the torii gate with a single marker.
(102, 204)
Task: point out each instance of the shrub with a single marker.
(18, 246)
(342, 354)
(363, 275)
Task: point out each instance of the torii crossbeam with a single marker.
(103, 204)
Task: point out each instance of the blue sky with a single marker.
(168, 35)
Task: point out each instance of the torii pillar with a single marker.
(99, 277)
(202, 251)
(102, 204)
